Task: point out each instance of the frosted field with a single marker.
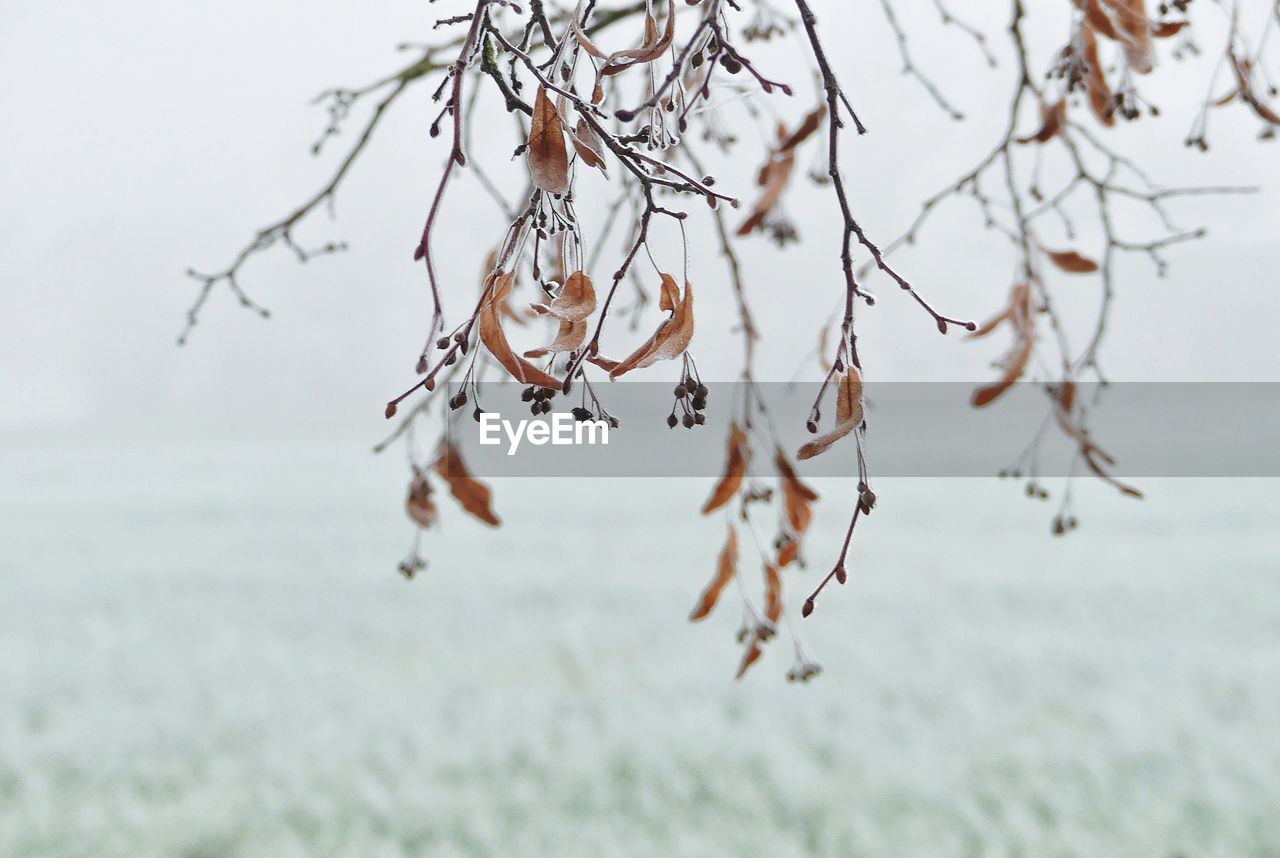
(205, 650)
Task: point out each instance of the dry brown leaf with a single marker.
(772, 594)
(653, 46)
(796, 496)
(735, 468)
(1017, 311)
(1133, 27)
(473, 495)
(672, 336)
(1243, 71)
(1167, 29)
(1097, 19)
(726, 567)
(495, 339)
(588, 146)
(419, 504)
(1072, 262)
(669, 294)
(547, 155)
(576, 300)
(749, 657)
(774, 177)
(1014, 367)
(788, 552)
(810, 124)
(1095, 80)
(1052, 118)
(603, 362)
(1092, 464)
(569, 338)
(849, 414)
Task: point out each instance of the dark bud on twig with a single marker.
(808, 607)
(391, 410)
(841, 575)
(812, 427)
(442, 343)
(672, 420)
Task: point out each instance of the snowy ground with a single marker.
(205, 650)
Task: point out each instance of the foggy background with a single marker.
(205, 649)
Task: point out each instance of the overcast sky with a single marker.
(145, 137)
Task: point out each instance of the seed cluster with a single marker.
(690, 398)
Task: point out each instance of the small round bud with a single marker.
(687, 421)
(701, 390)
(699, 419)
(442, 343)
(672, 420)
(391, 410)
(681, 391)
(808, 607)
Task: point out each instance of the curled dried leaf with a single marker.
(1015, 365)
(421, 508)
(576, 301)
(1017, 312)
(495, 339)
(772, 593)
(1242, 68)
(1133, 29)
(672, 336)
(726, 567)
(1095, 81)
(1092, 463)
(810, 124)
(849, 414)
(1167, 29)
(773, 177)
(589, 147)
(1052, 118)
(1072, 262)
(796, 496)
(1097, 19)
(569, 338)
(750, 657)
(547, 154)
(473, 495)
(735, 468)
(655, 43)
